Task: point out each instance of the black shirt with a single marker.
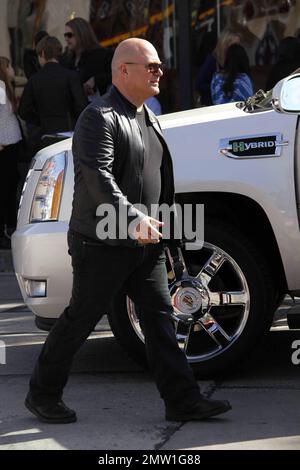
(152, 162)
(53, 99)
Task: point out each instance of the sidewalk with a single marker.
(6, 263)
(117, 402)
(9, 289)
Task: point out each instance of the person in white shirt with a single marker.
(10, 138)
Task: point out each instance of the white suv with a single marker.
(242, 162)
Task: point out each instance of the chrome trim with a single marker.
(221, 314)
(226, 149)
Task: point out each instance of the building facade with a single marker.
(175, 27)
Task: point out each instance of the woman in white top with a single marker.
(10, 138)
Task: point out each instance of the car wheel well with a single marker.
(247, 215)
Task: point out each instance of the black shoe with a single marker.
(56, 413)
(204, 408)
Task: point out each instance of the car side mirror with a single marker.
(286, 95)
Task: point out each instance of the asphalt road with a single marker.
(117, 403)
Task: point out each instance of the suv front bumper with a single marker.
(40, 254)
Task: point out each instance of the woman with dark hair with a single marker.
(84, 54)
(288, 61)
(213, 61)
(234, 82)
(10, 138)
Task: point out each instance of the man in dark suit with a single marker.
(53, 98)
(120, 159)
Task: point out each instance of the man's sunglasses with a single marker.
(68, 35)
(152, 68)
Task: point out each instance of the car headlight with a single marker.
(47, 196)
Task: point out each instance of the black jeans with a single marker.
(99, 271)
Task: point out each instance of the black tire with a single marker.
(255, 274)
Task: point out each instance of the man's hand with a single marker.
(146, 232)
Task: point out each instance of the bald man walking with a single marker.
(120, 160)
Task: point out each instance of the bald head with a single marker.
(131, 50)
(132, 73)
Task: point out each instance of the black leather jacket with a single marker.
(108, 165)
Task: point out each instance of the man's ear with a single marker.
(41, 58)
(123, 69)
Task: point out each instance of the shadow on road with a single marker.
(119, 408)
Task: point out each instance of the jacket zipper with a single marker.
(142, 166)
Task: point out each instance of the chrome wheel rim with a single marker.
(211, 302)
